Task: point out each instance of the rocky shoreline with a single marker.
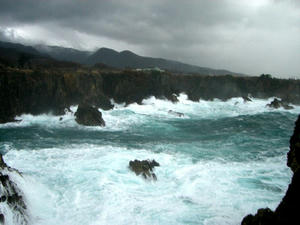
(12, 196)
(43, 91)
(288, 209)
(53, 90)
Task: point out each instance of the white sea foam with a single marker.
(91, 184)
(123, 117)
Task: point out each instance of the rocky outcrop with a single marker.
(174, 98)
(11, 195)
(144, 167)
(89, 116)
(246, 99)
(37, 91)
(287, 211)
(276, 103)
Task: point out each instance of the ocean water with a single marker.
(218, 163)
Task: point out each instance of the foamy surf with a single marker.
(124, 117)
(89, 184)
(219, 162)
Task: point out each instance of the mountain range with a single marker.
(12, 52)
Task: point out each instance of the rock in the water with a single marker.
(104, 103)
(247, 99)
(276, 103)
(174, 98)
(89, 116)
(144, 167)
(1, 218)
(179, 114)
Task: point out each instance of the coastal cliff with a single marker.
(288, 209)
(44, 90)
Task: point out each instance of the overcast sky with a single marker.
(248, 36)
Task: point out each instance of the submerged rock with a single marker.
(276, 103)
(144, 167)
(89, 116)
(174, 113)
(11, 195)
(287, 211)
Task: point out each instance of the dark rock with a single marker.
(263, 216)
(11, 195)
(103, 102)
(4, 179)
(287, 211)
(294, 154)
(144, 167)
(3, 198)
(246, 99)
(43, 90)
(2, 163)
(174, 98)
(89, 116)
(2, 218)
(179, 114)
(276, 103)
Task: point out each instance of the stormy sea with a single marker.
(219, 161)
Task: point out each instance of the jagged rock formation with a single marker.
(11, 195)
(144, 167)
(89, 116)
(276, 103)
(52, 90)
(287, 212)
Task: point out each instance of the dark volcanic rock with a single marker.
(287, 211)
(89, 116)
(144, 167)
(11, 195)
(2, 163)
(103, 102)
(294, 154)
(174, 98)
(276, 103)
(37, 91)
(263, 216)
(246, 99)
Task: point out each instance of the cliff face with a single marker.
(44, 90)
(287, 211)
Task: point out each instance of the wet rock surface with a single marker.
(174, 98)
(88, 115)
(144, 168)
(45, 90)
(276, 103)
(11, 195)
(174, 113)
(287, 211)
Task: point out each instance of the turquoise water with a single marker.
(220, 162)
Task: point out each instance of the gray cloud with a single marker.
(257, 36)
